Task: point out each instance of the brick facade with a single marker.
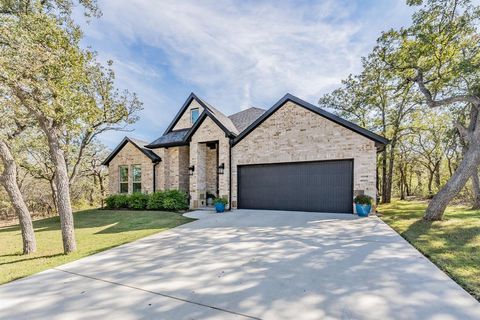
(185, 120)
(208, 131)
(294, 133)
(291, 134)
(129, 156)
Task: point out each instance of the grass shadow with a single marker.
(32, 258)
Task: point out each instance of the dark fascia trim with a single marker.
(184, 107)
(166, 145)
(120, 147)
(380, 141)
(206, 113)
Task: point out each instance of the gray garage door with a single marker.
(323, 186)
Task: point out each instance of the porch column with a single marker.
(197, 180)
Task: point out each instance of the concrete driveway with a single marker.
(249, 264)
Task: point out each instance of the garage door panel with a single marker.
(324, 186)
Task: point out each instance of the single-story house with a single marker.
(293, 156)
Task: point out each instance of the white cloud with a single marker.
(241, 53)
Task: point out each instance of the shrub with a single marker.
(363, 199)
(117, 201)
(155, 201)
(175, 200)
(221, 200)
(138, 201)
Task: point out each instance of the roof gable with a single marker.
(138, 144)
(179, 137)
(225, 122)
(200, 120)
(379, 140)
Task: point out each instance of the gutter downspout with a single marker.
(230, 173)
(154, 175)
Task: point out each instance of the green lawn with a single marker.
(95, 230)
(452, 244)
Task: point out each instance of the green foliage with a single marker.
(155, 201)
(223, 200)
(117, 201)
(363, 199)
(170, 200)
(453, 244)
(138, 201)
(97, 230)
(175, 200)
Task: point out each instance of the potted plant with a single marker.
(220, 204)
(363, 205)
(210, 198)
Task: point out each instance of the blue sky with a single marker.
(234, 54)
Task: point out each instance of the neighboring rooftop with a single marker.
(241, 120)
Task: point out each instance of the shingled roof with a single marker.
(173, 138)
(241, 120)
(222, 118)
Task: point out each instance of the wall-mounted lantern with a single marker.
(191, 169)
(221, 168)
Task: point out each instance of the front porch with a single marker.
(209, 163)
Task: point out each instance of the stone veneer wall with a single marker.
(130, 155)
(211, 170)
(183, 164)
(294, 133)
(172, 172)
(208, 131)
(185, 120)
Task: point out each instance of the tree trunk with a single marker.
(384, 176)
(419, 182)
(402, 183)
(467, 167)
(450, 169)
(430, 182)
(53, 189)
(62, 184)
(408, 182)
(437, 176)
(9, 181)
(389, 180)
(476, 190)
(102, 188)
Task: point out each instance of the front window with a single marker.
(136, 178)
(123, 179)
(195, 113)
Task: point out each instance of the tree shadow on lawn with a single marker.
(115, 221)
(29, 258)
(264, 271)
(456, 233)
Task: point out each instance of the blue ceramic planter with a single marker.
(363, 210)
(220, 207)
